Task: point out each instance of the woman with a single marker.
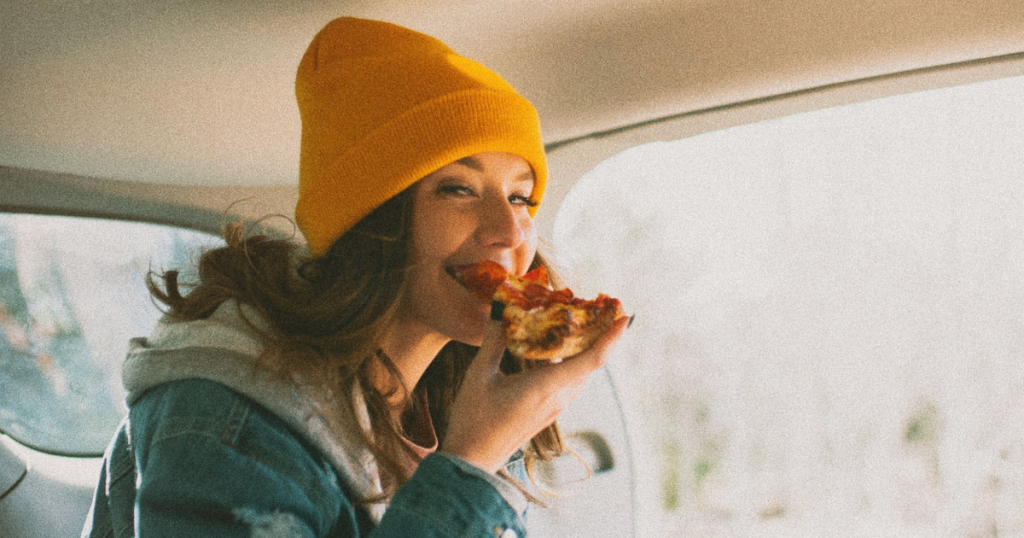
(355, 389)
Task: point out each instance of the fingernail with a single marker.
(497, 309)
(631, 318)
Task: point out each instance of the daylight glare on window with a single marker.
(830, 317)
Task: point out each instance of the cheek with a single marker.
(527, 251)
(435, 236)
(435, 301)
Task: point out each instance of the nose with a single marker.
(502, 225)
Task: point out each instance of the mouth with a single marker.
(481, 278)
(458, 272)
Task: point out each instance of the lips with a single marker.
(458, 272)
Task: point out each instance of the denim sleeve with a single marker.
(447, 497)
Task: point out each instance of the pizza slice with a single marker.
(540, 323)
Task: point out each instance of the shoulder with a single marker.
(202, 415)
(205, 452)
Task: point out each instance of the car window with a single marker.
(589, 490)
(830, 317)
(72, 293)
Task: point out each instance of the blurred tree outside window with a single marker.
(72, 293)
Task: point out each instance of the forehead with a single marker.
(506, 166)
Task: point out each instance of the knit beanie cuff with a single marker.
(411, 146)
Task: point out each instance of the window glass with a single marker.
(72, 293)
(830, 318)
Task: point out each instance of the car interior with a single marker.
(815, 210)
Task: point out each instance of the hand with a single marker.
(494, 414)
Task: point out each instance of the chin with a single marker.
(469, 341)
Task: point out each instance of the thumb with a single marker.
(492, 348)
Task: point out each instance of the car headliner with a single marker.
(105, 95)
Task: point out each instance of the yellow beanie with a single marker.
(382, 106)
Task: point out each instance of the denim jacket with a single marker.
(210, 447)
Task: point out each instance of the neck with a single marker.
(411, 347)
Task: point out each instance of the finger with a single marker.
(492, 348)
(607, 341)
(568, 394)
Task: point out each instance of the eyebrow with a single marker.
(471, 162)
(474, 163)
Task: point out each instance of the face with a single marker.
(474, 209)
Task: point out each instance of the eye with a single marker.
(520, 199)
(454, 189)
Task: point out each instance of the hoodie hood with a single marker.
(224, 348)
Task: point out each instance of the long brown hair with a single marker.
(327, 317)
